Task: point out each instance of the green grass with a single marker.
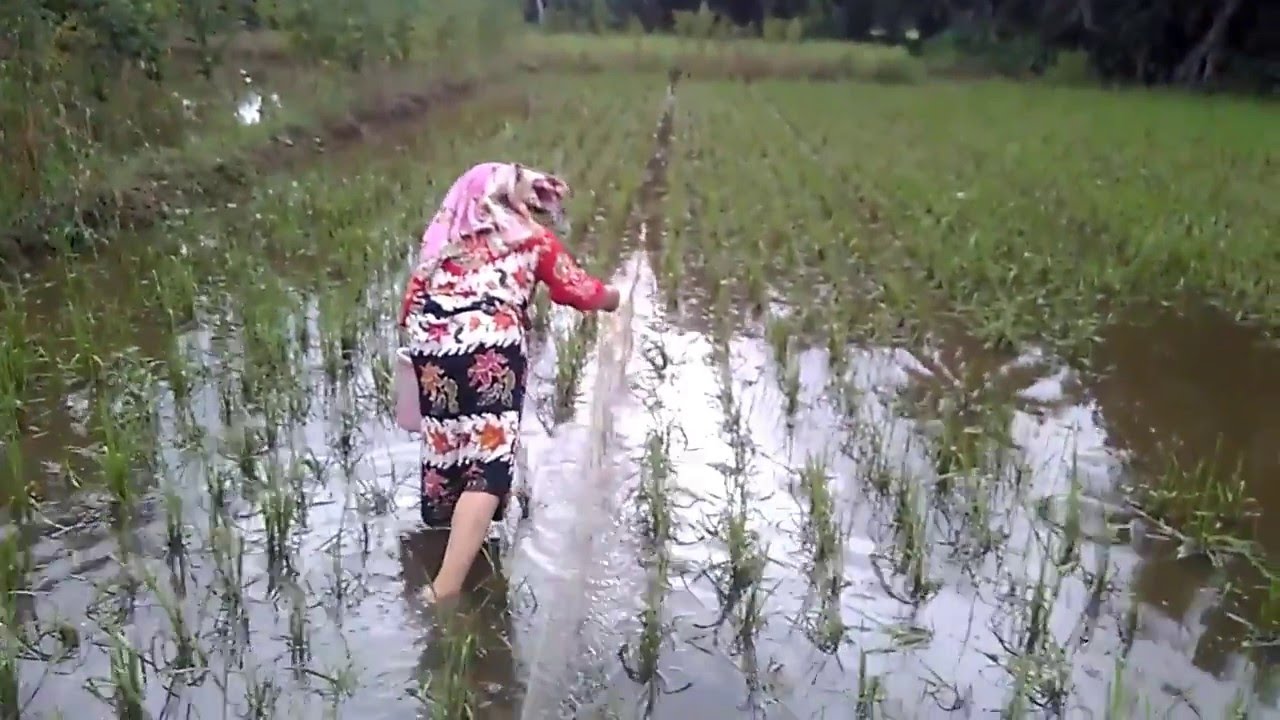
(742, 58)
(84, 167)
(1031, 213)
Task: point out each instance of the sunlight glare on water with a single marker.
(1054, 436)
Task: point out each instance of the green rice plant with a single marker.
(913, 547)
(13, 568)
(1206, 503)
(174, 289)
(17, 493)
(447, 691)
(18, 358)
(85, 361)
(268, 354)
(261, 697)
(188, 658)
(175, 530)
(780, 334)
(655, 492)
(180, 381)
(128, 678)
(118, 457)
(279, 512)
(1071, 530)
(227, 548)
(298, 640)
(870, 690)
(1039, 666)
(571, 357)
(821, 526)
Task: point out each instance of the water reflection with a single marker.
(577, 589)
(1059, 444)
(1189, 383)
(250, 110)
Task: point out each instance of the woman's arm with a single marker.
(412, 295)
(568, 283)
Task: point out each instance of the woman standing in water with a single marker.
(466, 316)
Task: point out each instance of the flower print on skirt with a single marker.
(471, 405)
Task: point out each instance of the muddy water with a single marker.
(368, 644)
(562, 631)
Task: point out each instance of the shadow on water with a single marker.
(1188, 398)
(1187, 385)
(467, 652)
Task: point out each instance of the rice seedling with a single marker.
(1209, 505)
(188, 657)
(120, 451)
(175, 532)
(911, 550)
(279, 508)
(298, 640)
(128, 679)
(824, 541)
(869, 691)
(17, 364)
(738, 581)
(571, 355)
(446, 691)
(260, 699)
(778, 218)
(12, 569)
(228, 551)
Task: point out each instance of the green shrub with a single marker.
(1071, 68)
(897, 70)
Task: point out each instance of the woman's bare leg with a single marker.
(467, 532)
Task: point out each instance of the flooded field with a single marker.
(891, 427)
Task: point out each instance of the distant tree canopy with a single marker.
(1189, 42)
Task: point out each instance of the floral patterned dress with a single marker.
(468, 336)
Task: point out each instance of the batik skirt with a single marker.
(471, 405)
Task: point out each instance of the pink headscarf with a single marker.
(494, 197)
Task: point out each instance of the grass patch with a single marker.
(96, 148)
(742, 58)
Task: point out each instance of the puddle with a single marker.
(251, 109)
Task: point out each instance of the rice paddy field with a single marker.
(931, 400)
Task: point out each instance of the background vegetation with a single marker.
(109, 108)
(1197, 43)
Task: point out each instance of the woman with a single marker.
(466, 316)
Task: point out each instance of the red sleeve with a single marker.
(568, 282)
(411, 296)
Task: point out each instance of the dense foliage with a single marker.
(1190, 42)
(84, 83)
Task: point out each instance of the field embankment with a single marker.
(107, 129)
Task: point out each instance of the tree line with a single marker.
(1185, 42)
